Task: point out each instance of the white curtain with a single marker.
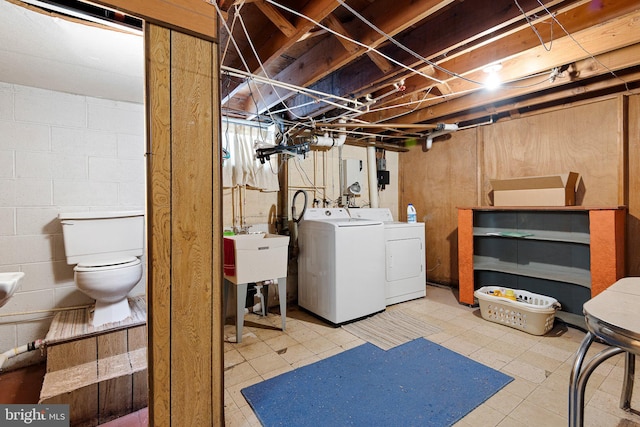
(242, 167)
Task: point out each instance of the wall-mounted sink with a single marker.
(8, 284)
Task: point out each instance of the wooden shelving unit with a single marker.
(569, 253)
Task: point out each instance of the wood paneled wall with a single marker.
(595, 139)
(184, 229)
(581, 139)
(436, 182)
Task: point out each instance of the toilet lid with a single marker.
(107, 264)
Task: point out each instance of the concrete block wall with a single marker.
(318, 174)
(58, 153)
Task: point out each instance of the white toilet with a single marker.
(106, 248)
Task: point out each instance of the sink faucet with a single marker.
(241, 230)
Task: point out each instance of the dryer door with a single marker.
(404, 259)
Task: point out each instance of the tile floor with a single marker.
(539, 365)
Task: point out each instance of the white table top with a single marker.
(618, 306)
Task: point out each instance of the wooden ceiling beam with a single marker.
(384, 145)
(465, 56)
(614, 34)
(472, 106)
(317, 10)
(328, 56)
(334, 24)
(278, 19)
(512, 35)
(378, 125)
(278, 45)
(463, 25)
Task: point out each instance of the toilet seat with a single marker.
(107, 264)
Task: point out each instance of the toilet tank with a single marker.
(100, 236)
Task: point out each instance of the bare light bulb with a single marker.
(493, 80)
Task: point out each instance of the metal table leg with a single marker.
(627, 385)
(580, 375)
(575, 375)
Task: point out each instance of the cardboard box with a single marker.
(252, 258)
(550, 190)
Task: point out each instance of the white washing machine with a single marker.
(405, 270)
(340, 265)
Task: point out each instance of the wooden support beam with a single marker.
(425, 126)
(334, 24)
(327, 56)
(195, 17)
(279, 20)
(586, 27)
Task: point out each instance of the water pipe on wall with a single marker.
(331, 141)
(372, 171)
(442, 129)
(19, 350)
(296, 219)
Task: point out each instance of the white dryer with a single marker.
(340, 265)
(405, 271)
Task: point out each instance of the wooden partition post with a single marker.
(184, 230)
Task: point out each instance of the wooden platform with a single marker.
(101, 373)
(75, 324)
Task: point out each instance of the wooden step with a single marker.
(99, 391)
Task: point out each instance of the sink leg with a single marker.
(241, 298)
(282, 293)
(264, 299)
(225, 291)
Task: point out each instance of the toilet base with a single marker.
(110, 312)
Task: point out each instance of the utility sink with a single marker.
(8, 284)
(255, 257)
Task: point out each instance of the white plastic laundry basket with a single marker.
(532, 313)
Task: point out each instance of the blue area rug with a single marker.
(415, 384)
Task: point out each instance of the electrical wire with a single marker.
(406, 49)
(435, 65)
(535, 30)
(626, 84)
(287, 108)
(269, 80)
(357, 111)
(369, 48)
(225, 50)
(264, 71)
